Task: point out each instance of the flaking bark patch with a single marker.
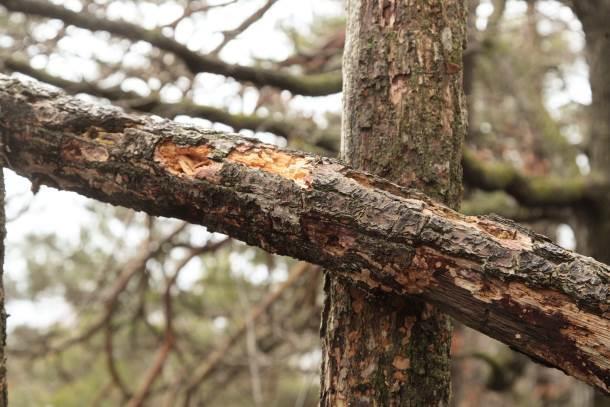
(289, 166)
(198, 161)
(581, 335)
(84, 150)
(419, 275)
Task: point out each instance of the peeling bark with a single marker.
(490, 273)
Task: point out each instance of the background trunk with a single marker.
(3, 373)
(595, 223)
(403, 119)
(593, 16)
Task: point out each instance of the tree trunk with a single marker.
(490, 273)
(3, 371)
(594, 18)
(593, 15)
(404, 120)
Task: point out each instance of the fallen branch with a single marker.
(547, 192)
(489, 273)
(531, 191)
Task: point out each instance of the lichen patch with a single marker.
(293, 167)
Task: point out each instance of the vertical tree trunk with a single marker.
(3, 379)
(403, 119)
(593, 15)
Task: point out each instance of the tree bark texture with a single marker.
(489, 273)
(404, 120)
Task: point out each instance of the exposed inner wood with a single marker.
(195, 161)
(182, 160)
(289, 166)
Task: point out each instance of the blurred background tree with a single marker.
(112, 307)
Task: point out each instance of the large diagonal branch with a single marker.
(309, 85)
(539, 191)
(493, 275)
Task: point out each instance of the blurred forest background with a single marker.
(110, 307)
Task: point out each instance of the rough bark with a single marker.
(409, 57)
(404, 120)
(490, 273)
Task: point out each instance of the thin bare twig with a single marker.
(208, 366)
(230, 35)
(269, 340)
(130, 269)
(194, 7)
(102, 395)
(115, 376)
(252, 349)
(195, 62)
(169, 338)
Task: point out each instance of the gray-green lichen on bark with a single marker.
(495, 276)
